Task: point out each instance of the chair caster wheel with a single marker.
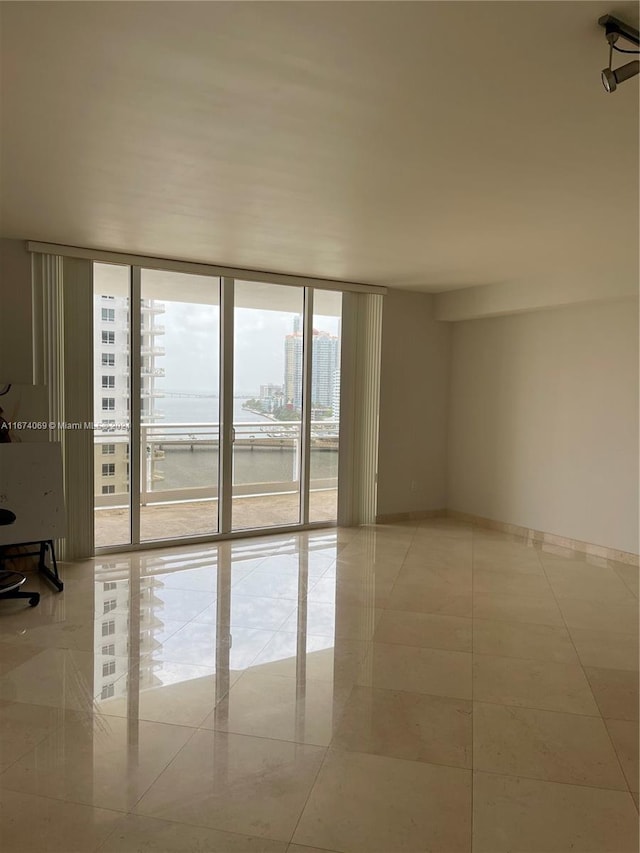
(34, 600)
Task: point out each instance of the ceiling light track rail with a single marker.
(625, 31)
(614, 30)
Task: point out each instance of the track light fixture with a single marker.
(611, 79)
(615, 29)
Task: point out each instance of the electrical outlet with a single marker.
(414, 485)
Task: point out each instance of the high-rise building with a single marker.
(112, 630)
(325, 364)
(335, 406)
(293, 369)
(111, 383)
(326, 356)
(271, 397)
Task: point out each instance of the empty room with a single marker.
(319, 427)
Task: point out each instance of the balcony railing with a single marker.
(146, 371)
(160, 440)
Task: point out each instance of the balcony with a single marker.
(179, 493)
(144, 371)
(199, 518)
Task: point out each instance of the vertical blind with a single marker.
(360, 397)
(63, 361)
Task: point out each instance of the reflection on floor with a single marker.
(369, 689)
(199, 518)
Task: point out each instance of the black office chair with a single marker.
(11, 582)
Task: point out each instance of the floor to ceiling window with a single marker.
(111, 404)
(165, 355)
(267, 425)
(179, 404)
(325, 405)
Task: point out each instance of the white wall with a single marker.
(413, 405)
(543, 421)
(16, 350)
(492, 300)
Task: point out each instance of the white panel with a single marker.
(31, 488)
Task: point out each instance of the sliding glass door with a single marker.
(111, 404)
(267, 393)
(179, 404)
(325, 405)
(183, 464)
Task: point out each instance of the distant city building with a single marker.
(293, 369)
(271, 397)
(269, 390)
(335, 408)
(325, 364)
(111, 384)
(326, 358)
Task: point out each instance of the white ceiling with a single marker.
(422, 144)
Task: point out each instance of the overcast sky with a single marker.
(191, 341)
(191, 337)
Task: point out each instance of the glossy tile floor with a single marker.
(416, 687)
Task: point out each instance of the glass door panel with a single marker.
(267, 391)
(176, 417)
(179, 404)
(111, 405)
(325, 405)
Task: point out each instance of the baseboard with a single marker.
(540, 537)
(389, 518)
